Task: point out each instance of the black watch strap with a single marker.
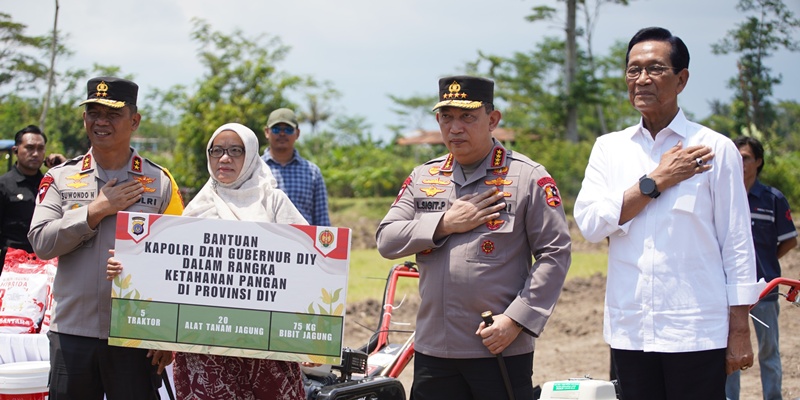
(647, 186)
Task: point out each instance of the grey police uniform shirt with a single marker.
(488, 268)
(82, 295)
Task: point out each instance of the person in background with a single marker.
(18, 188)
(774, 235)
(489, 233)
(240, 188)
(299, 178)
(75, 220)
(668, 195)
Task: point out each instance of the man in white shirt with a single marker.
(668, 195)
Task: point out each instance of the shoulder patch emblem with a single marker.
(402, 189)
(44, 185)
(552, 195)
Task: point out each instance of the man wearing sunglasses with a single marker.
(299, 178)
(668, 195)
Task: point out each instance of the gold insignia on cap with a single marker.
(102, 89)
(457, 98)
(455, 92)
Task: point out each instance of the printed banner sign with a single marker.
(237, 288)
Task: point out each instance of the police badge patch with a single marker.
(44, 185)
(552, 195)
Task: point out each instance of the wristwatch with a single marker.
(648, 187)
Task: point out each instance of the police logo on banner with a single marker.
(138, 226)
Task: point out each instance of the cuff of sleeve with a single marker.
(745, 293)
(78, 221)
(429, 222)
(519, 312)
(614, 212)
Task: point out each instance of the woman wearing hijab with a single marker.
(241, 187)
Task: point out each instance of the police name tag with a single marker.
(234, 288)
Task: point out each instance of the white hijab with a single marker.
(246, 198)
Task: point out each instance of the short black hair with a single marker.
(679, 56)
(755, 145)
(28, 129)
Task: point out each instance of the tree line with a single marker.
(557, 96)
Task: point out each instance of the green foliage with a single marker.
(564, 160)
(19, 69)
(414, 112)
(368, 272)
(769, 25)
(529, 91)
(241, 84)
(783, 172)
(355, 165)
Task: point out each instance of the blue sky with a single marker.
(369, 49)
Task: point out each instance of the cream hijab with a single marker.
(248, 197)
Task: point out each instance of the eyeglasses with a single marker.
(287, 130)
(652, 70)
(233, 152)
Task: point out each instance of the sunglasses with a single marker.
(287, 130)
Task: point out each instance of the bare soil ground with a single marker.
(572, 344)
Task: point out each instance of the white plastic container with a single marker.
(24, 380)
(580, 389)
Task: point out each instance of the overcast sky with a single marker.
(369, 49)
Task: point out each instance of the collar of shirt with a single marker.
(678, 125)
(295, 157)
(757, 189)
(19, 177)
(135, 165)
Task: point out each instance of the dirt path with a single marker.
(572, 344)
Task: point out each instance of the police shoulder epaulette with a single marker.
(523, 158)
(71, 161)
(437, 160)
(154, 164)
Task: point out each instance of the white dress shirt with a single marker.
(676, 267)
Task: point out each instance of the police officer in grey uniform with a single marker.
(475, 218)
(75, 220)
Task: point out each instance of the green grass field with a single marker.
(368, 273)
